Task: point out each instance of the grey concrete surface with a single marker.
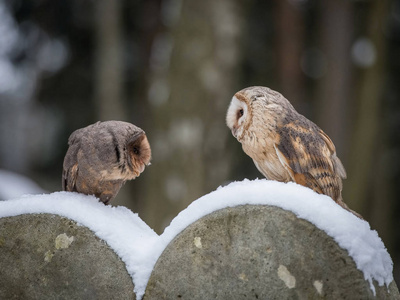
(44, 256)
(258, 252)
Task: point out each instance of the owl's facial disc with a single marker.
(139, 153)
(235, 117)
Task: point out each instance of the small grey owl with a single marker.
(102, 156)
(284, 145)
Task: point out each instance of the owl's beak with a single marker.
(233, 130)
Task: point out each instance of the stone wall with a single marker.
(258, 252)
(245, 252)
(44, 256)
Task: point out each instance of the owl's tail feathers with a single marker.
(344, 205)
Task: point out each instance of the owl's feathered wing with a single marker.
(70, 165)
(309, 156)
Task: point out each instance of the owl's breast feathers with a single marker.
(309, 156)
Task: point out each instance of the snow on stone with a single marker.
(351, 233)
(123, 230)
(13, 185)
(139, 246)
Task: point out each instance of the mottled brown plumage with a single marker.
(284, 145)
(102, 156)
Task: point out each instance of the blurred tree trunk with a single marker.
(108, 62)
(363, 171)
(193, 75)
(290, 45)
(384, 199)
(335, 87)
(108, 89)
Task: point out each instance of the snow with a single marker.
(351, 233)
(123, 230)
(139, 246)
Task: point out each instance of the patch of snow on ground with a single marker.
(140, 247)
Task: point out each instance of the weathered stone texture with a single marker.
(44, 256)
(257, 252)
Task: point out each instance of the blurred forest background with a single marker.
(172, 66)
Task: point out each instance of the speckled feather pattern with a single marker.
(284, 145)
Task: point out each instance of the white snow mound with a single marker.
(123, 230)
(140, 247)
(351, 233)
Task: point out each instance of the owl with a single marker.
(284, 145)
(103, 156)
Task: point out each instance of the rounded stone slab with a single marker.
(257, 252)
(44, 256)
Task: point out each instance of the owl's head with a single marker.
(245, 105)
(256, 105)
(138, 152)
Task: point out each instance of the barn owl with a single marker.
(284, 145)
(102, 156)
